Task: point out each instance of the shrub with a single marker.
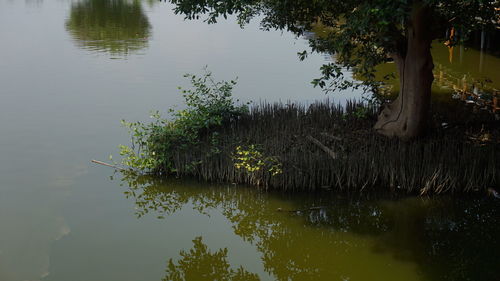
(209, 105)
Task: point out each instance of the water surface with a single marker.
(71, 70)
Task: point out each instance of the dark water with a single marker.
(71, 70)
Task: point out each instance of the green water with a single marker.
(455, 66)
(71, 70)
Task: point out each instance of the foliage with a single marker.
(361, 112)
(209, 105)
(361, 34)
(201, 264)
(271, 147)
(251, 159)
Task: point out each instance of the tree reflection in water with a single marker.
(117, 27)
(201, 264)
(350, 238)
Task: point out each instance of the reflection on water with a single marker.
(62, 220)
(460, 61)
(201, 264)
(456, 64)
(117, 27)
(460, 73)
(339, 238)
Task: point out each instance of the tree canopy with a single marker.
(361, 34)
(364, 34)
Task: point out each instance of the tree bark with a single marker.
(407, 116)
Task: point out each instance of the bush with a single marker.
(209, 105)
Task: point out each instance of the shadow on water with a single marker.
(116, 27)
(327, 237)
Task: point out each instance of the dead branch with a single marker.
(108, 165)
(330, 152)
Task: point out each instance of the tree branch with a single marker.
(330, 152)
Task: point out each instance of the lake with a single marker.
(71, 70)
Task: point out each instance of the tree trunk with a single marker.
(407, 116)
